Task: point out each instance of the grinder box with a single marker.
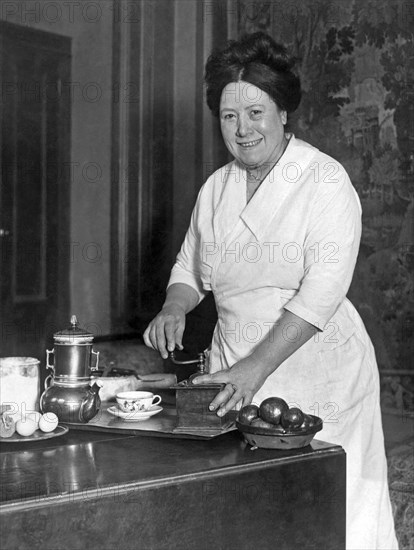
(192, 401)
(192, 407)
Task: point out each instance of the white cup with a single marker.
(133, 401)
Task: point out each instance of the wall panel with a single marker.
(168, 143)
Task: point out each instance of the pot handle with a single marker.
(48, 382)
(48, 365)
(97, 360)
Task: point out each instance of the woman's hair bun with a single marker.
(258, 59)
(259, 47)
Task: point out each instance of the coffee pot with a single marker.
(68, 392)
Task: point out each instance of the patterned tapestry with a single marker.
(356, 62)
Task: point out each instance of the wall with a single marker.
(142, 143)
(172, 140)
(198, 148)
(89, 25)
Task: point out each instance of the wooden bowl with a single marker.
(268, 438)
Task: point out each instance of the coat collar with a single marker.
(284, 178)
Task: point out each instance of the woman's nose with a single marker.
(243, 126)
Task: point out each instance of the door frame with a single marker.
(61, 46)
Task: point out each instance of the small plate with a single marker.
(36, 436)
(137, 416)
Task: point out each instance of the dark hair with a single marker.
(258, 60)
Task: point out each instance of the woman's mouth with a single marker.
(248, 144)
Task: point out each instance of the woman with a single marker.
(275, 236)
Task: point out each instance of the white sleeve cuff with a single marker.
(181, 275)
(306, 315)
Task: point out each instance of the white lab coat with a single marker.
(294, 246)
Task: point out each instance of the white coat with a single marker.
(294, 246)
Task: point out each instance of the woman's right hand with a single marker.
(165, 331)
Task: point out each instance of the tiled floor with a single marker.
(399, 445)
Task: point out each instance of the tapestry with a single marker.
(356, 63)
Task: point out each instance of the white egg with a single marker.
(48, 422)
(34, 415)
(26, 427)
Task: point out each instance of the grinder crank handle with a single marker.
(201, 361)
(201, 365)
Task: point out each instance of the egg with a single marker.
(34, 415)
(26, 427)
(48, 422)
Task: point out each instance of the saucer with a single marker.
(137, 416)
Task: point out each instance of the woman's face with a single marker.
(252, 125)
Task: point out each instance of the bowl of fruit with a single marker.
(273, 425)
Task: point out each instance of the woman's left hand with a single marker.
(242, 381)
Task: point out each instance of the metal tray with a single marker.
(38, 435)
(161, 425)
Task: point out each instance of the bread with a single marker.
(111, 385)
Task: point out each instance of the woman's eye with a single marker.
(256, 112)
(229, 116)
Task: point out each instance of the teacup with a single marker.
(134, 401)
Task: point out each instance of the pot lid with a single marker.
(74, 333)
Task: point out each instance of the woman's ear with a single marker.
(284, 117)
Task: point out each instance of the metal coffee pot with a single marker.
(68, 392)
(73, 353)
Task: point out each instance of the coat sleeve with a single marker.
(330, 251)
(187, 266)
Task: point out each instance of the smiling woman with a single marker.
(252, 126)
(253, 100)
(276, 312)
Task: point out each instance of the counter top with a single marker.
(100, 490)
(96, 462)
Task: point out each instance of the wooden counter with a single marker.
(100, 490)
